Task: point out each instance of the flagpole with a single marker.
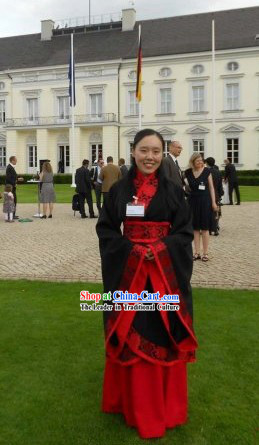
(213, 91)
(72, 111)
(140, 102)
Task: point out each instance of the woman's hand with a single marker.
(215, 207)
(149, 255)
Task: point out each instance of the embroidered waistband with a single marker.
(145, 231)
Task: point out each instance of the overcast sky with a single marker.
(24, 16)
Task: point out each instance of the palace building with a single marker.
(177, 85)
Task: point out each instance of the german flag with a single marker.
(139, 66)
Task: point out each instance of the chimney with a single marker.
(128, 19)
(47, 27)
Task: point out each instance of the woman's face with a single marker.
(148, 154)
(198, 163)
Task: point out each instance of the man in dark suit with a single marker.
(11, 178)
(97, 183)
(171, 166)
(84, 189)
(219, 192)
(123, 168)
(231, 178)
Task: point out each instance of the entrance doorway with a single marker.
(63, 159)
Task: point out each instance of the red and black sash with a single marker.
(148, 234)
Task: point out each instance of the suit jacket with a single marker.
(82, 179)
(124, 170)
(109, 175)
(172, 171)
(11, 176)
(217, 182)
(230, 173)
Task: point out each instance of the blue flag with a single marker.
(71, 76)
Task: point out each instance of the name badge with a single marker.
(135, 210)
(202, 187)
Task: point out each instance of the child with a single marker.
(8, 204)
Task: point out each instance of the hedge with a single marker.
(58, 179)
(248, 180)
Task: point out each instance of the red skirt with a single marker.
(151, 397)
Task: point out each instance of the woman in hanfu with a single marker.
(147, 352)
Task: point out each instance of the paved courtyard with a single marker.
(66, 249)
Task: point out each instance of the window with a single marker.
(166, 149)
(166, 100)
(232, 96)
(2, 85)
(133, 103)
(32, 158)
(32, 109)
(96, 152)
(64, 156)
(197, 99)
(165, 72)
(232, 66)
(63, 107)
(96, 105)
(2, 111)
(233, 150)
(2, 156)
(197, 69)
(67, 156)
(198, 146)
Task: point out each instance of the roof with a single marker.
(234, 28)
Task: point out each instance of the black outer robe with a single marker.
(168, 204)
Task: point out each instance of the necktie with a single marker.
(179, 170)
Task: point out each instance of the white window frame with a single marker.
(33, 94)
(165, 107)
(2, 156)
(132, 105)
(164, 85)
(90, 90)
(199, 140)
(32, 168)
(198, 136)
(233, 136)
(97, 147)
(63, 107)
(197, 84)
(97, 115)
(32, 117)
(198, 69)
(67, 155)
(231, 64)
(2, 111)
(198, 103)
(232, 82)
(166, 149)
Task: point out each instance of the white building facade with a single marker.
(35, 117)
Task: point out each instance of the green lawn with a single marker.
(52, 360)
(249, 193)
(27, 193)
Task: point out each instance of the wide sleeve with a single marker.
(114, 247)
(179, 245)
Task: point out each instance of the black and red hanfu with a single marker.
(145, 375)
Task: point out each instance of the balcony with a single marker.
(57, 121)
